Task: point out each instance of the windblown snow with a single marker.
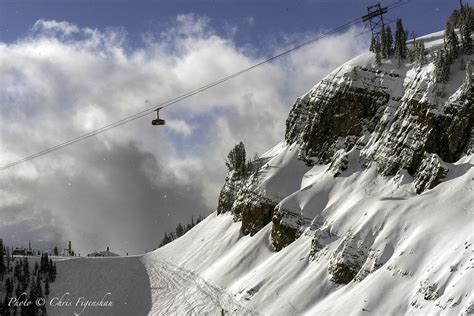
(414, 251)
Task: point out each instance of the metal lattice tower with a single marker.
(375, 19)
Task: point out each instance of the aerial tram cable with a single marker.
(189, 94)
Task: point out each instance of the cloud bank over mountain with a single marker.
(126, 187)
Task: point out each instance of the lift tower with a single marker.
(375, 19)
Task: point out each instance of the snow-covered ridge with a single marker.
(366, 152)
(393, 118)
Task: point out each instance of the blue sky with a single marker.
(258, 21)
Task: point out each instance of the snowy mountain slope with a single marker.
(370, 194)
(430, 255)
(366, 207)
(409, 247)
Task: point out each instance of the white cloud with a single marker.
(180, 127)
(54, 26)
(63, 80)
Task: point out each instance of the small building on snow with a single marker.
(106, 253)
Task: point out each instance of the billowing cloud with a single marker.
(125, 187)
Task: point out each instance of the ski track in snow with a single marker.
(177, 291)
(138, 286)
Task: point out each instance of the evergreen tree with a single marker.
(26, 271)
(400, 42)
(383, 43)
(165, 240)
(420, 53)
(8, 259)
(466, 16)
(452, 43)
(36, 268)
(386, 42)
(372, 44)
(179, 230)
(468, 77)
(378, 54)
(442, 66)
(9, 287)
(46, 286)
(455, 18)
(466, 40)
(236, 159)
(54, 272)
(55, 251)
(389, 45)
(3, 268)
(412, 49)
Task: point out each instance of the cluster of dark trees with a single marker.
(387, 46)
(237, 161)
(25, 282)
(455, 46)
(69, 251)
(457, 42)
(180, 231)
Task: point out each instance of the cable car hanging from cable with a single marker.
(158, 121)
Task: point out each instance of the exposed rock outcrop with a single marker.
(400, 113)
(430, 173)
(239, 197)
(285, 228)
(254, 210)
(347, 260)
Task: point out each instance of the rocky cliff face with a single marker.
(395, 118)
(241, 197)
